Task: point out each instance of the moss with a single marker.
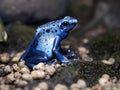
(19, 35)
(106, 45)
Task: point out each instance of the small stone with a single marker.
(36, 88)
(50, 69)
(43, 86)
(4, 58)
(21, 64)
(20, 83)
(75, 86)
(38, 74)
(16, 67)
(57, 66)
(10, 78)
(110, 61)
(81, 83)
(7, 69)
(17, 75)
(25, 70)
(87, 58)
(4, 87)
(39, 66)
(83, 50)
(17, 56)
(103, 81)
(47, 76)
(106, 76)
(27, 77)
(60, 87)
(85, 40)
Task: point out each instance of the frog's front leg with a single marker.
(56, 50)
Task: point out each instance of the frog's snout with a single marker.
(73, 21)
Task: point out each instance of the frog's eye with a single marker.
(65, 23)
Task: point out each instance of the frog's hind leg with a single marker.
(31, 62)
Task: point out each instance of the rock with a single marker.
(7, 69)
(38, 74)
(75, 87)
(25, 70)
(104, 80)
(81, 83)
(4, 87)
(20, 83)
(50, 69)
(39, 66)
(16, 67)
(4, 58)
(17, 75)
(43, 86)
(27, 77)
(60, 87)
(110, 61)
(10, 78)
(32, 10)
(17, 56)
(22, 64)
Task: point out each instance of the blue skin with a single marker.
(46, 43)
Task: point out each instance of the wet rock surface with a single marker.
(32, 10)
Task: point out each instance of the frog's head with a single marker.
(66, 24)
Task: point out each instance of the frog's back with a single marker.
(44, 38)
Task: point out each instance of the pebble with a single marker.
(17, 56)
(20, 83)
(16, 67)
(7, 69)
(81, 83)
(75, 86)
(57, 66)
(106, 76)
(17, 75)
(103, 81)
(39, 66)
(27, 77)
(43, 86)
(83, 50)
(38, 74)
(10, 78)
(85, 40)
(110, 61)
(22, 64)
(87, 58)
(60, 87)
(4, 58)
(4, 87)
(25, 70)
(50, 69)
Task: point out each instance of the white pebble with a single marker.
(43, 86)
(81, 83)
(50, 69)
(38, 74)
(27, 77)
(60, 87)
(39, 66)
(25, 70)
(103, 81)
(110, 61)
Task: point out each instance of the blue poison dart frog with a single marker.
(45, 45)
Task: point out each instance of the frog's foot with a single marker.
(69, 60)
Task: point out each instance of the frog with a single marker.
(46, 43)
